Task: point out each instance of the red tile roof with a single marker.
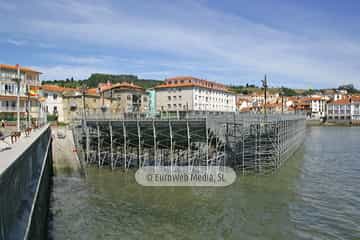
(189, 81)
(55, 88)
(92, 91)
(346, 100)
(23, 69)
(123, 85)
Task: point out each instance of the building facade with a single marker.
(76, 104)
(28, 86)
(53, 100)
(193, 94)
(318, 107)
(152, 101)
(346, 109)
(132, 98)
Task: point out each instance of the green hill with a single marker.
(96, 78)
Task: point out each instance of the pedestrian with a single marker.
(2, 123)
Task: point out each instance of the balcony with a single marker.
(7, 93)
(11, 109)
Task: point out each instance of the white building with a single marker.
(53, 100)
(318, 107)
(29, 84)
(194, 94)
(340, 94)
(344, 109)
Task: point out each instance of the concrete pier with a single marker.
(65, 158)
(25, 172)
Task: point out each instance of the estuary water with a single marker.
(315, 195)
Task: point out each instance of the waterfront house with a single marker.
(186, 93)
(53, 100)
(346, 109)
(132, 98)
(243, 104)
(318, 107)
(28, 86)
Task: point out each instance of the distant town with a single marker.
(63, 100)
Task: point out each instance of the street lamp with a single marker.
(17, 80)
(265, 86)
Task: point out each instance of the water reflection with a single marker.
(314, 196)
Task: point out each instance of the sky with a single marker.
(299, 44)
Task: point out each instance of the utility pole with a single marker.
(282, 103)
(17, 80)
(83, 91)
(265, 86)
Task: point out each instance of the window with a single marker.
(169, 106)
(145, 99)
(174, 97)
(129, 97)
(169, 97)
(46, 95)
(55, 96)
(55, 110)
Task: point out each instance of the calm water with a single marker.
(316, 195)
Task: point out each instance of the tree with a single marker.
(348, 87)
(288, 91)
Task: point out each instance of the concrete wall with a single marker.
(24, 182)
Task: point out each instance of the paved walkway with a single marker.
(7, 157)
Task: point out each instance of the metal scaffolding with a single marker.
(250, 143)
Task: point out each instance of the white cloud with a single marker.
(17, 42)
(46, 45)
(82, 60)
(192, 31)
(58, 72)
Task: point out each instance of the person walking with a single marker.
(2, 123)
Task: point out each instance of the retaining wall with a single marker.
(24, 187)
